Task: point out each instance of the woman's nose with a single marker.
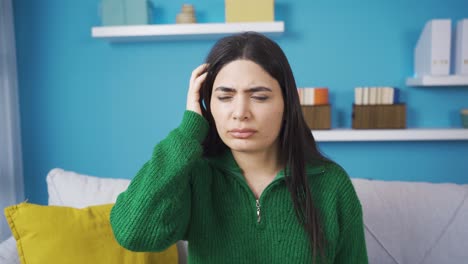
(241, 110)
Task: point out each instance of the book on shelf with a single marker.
(358, 95)
(313, 96)
(376, 95)
(433, 49)
(372, 95)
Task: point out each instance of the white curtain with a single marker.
(11, 165)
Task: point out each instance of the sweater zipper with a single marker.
(257, 201)
(258, 211)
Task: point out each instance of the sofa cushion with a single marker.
(8, 252)
(60, 234)
(414, 222)
(79, 190)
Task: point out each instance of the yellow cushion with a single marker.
(57, 234)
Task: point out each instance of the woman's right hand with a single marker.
(196, 81)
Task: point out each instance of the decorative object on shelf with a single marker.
(125, 12)
(315, 107)
(379, 116)
(434, 59)
(187, 15)
(249, 11)
(317, 116)
(432, 52)
(461, 48)
(464, 117)
(378, 108)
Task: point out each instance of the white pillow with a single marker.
(8, 252)
(68, 188)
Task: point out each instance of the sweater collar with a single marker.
(227, 162)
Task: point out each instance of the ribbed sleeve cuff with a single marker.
(194, 125)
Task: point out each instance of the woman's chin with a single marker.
(244, 147)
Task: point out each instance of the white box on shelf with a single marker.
(432, 51)
(125, 12)
(461, 48)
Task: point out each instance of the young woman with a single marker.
(241, 178)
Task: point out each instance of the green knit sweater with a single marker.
(179, 195)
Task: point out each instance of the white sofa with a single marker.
(405, 222)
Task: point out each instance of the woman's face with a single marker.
(247, 107)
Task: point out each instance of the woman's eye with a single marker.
(260, 98)
(224, 98)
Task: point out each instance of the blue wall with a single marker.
(99, 108)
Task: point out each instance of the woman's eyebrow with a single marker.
(225, 89)
(258, 89)
(250, 90)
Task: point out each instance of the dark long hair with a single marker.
(297, 145)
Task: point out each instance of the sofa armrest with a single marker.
(414, 222)
(8, 252)
(182, 251)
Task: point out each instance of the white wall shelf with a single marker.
(183, 31)
(450, 80)
(433, 134)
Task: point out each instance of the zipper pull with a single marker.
(258, 211)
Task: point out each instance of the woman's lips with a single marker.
(242, 133)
